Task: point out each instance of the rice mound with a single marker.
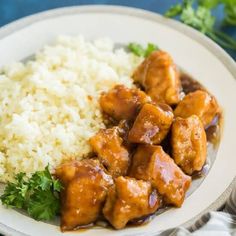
(49, 106)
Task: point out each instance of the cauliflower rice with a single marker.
(49, 106)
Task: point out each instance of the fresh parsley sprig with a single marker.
(38, 195)
(201, 18)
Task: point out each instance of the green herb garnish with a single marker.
(140, 51)
(174, 10)
(38, 195)
(201, 18)
(230, 12)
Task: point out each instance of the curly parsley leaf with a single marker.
(15, 193)
(140, 51)
(57, 185)
(39, 195)
(41, 180)
(43, 205)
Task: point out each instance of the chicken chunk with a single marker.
(123, 103)
(107, 144)
(129, 199)
(160, 78)
(198, 103)
(85, 189)
(152, 164)
(189, 144)
(152, 124)
(124, 128)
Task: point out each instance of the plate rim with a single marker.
(215, 49)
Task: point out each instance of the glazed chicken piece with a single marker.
(198, 103)
(160, 78)
(152, 164)
(124, 127)
(122, 102)
(189, 144)
(129, 199)
(152, 124)
(107, 144)
(85, 189)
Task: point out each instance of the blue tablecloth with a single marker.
(11, 10)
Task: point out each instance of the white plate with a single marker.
(192, 51)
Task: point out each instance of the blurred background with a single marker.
(11, 10)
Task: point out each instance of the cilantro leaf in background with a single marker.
(229, 9)
(140, 51)
(174, 10)
(230, 12)
(201, 18)
(39, 195)
(209, 3)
